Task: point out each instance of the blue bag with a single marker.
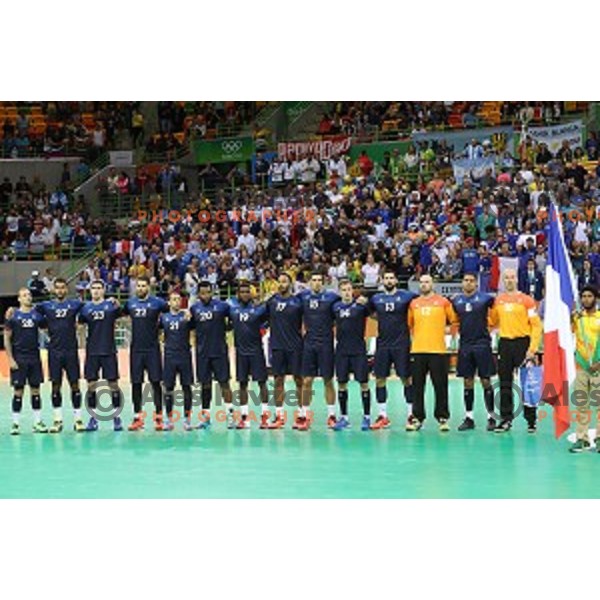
(531, 377)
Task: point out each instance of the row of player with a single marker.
(411, 339)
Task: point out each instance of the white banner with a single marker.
(444, 288)
(474, 169)
(554, 135)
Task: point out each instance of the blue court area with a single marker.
(290, 464)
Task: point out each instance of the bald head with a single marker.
(509, 278)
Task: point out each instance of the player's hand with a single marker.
(530, 356)
(187, 315)
(362, 300)
(114, 301)
(13, 364)
(10, 312)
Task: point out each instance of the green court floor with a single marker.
(289, 464)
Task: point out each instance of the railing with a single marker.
(102, 161)
(66, 252)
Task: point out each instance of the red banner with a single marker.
(322, 149)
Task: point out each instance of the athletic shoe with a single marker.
(342, 423)
(57, 427)
(117, 424)
(243, 423)
(491, 424)
(230, 421)
(296, 421)
(40, 427)
(78, 426)
(331, 421)
(467, 424)
(15, 430)
(278, 423)
(136, 425)
(168, 425)
(158, 424)
(204, 424)
(597, 442)
(187, 425)
(580, 446)
(302, 424)
(415, 425)
(381, 423)
(410, 423)
(531, 428)
(366, 423)
(92, 425)
(503, 427)
(264, 421)
(443, 426)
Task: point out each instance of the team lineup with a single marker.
(315, 333)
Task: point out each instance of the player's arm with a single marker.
(493, 317)
(410, 318)
(535, 327)
(8, 346)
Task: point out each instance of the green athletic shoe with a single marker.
(57, 427)
(579, 446)
(15, 430)
(40, 427)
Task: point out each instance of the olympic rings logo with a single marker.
(231, 146)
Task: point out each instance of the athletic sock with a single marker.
(37, 416)
(331, 410)
(76, 400)
(228, 408)
(136, 397)
(116, 398)
(381, 397)
(15, 417)
(244, 410)
(365, 396)
(169, 401)
(302, 411)
(488, 397)
(91, 400)
(57, 414)
(77, 414)
(469, 414)
(56, 399)
(36, 402)
(343, 400)
(279, 411)
(469, 398)
(206, 397)
(264, 408)
(17, 404)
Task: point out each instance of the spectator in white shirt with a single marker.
(309, 169)
(336, 167)
(191, 282)
(337, 271)
(247, 239)
(276, 171)
(370, 273)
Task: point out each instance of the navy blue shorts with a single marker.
(215, 368)
(475, 359)
(253, 365)
(286, 362)
(29, 372)
(386, 357)
(356, 364)
(317, 361)
(145, 361)
(179, 364)
(59, 361)
(106, 363)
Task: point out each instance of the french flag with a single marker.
(559, 347)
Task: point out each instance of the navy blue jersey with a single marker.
(100, 319)
(472, 312)
(318, 316)
(144, 321)
(285, 321)
(25, 327)
(392, 317)
(247, 320)
(177, 333)
(210, 320)
(61, 319)
(350, 322)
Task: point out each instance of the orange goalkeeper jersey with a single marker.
(427, 319)
(515, 316)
